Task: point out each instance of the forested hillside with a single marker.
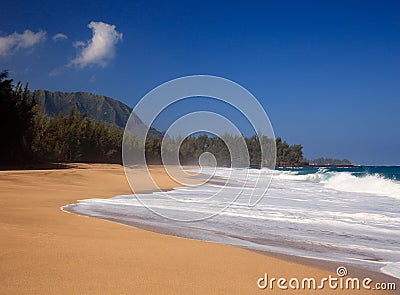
(42, 126)
(98, 107)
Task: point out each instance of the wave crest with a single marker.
(347, 182)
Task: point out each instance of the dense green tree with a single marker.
(153, 151)
(287, 155)
(16, 121)
(74, 138)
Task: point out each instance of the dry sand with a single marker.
(46, 251)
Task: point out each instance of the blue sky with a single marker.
(327, 72)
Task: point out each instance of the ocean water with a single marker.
(344, 215)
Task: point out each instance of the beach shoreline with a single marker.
(47, 250)
(327, 265)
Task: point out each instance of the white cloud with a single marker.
(100, 49)
(59, 37)
(79, 44)
(11, 43)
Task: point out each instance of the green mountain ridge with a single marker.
(98, 107)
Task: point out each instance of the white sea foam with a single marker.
(327, 215)
(392, 269)
(372, 184)
(347, 182)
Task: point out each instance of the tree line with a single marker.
(329, 162)
(32, 136)
(228, 150)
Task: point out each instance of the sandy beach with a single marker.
(44, 250)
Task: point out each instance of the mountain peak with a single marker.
(98, 107)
